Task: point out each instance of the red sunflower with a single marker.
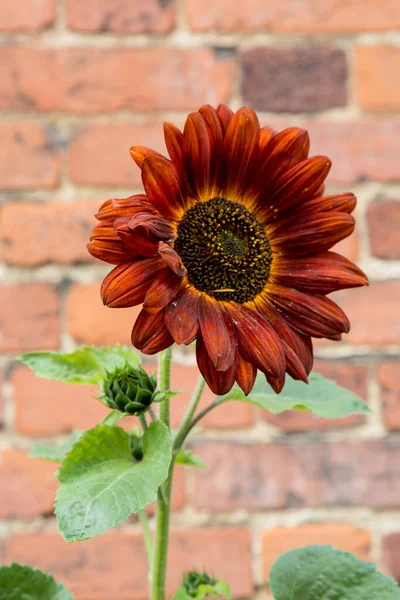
(230, 246)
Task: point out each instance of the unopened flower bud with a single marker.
(193, 580)
(129, 390)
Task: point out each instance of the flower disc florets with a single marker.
(129, 390)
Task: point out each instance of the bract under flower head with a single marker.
(230, 246)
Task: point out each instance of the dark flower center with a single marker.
(224, 249)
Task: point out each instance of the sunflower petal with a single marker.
(216, 137)
(126, 285)
(316, 316)
(197, 153)
(116, 208)
(220, 382)
(219, 341)
(241, 149)
(174, 142)
(320, 274)
(225, 115)
(161, 182)
(285, 150)
(266, 134)
(316, 233)
(338, 202)
(171, 258)
(149, 334)
(139, 153)
(162, 291)
(181, 316)
(246, 374)
(276, 383)
(257, 341)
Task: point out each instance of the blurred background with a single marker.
(82, 81)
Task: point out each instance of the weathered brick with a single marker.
(88, 321)
(29, 318)
(377, 77)
(326, 16)
(26, 15)
(340, 535)
(391, 554)
(347, 375)
(384, 224)
(28, 157)
(237, 414)
(36, 233)
(92, 80)
(27, 486)
(373, 312)
(283, 475)
(92, 163)
(389, 389)
(294, 79)
(124, 16)
(81, 567)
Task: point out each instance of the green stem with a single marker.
(185, 426)
(203, 413)
(164, 493)
(113, 417)
(147, 540)
(143, 422)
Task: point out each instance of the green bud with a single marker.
(136, 444)
(129, 390)
(193, 580)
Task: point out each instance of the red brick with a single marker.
(123, 16)
(33, 233)
(348, 247)
(345, 374)
(391, 555)
(227, 416)
(325, 16)
(28, 158)
(81, 567)
(294, 79)
(384, 224)
(373, 312)
(25, 15)
(30, 317)
(283, 475)
(89, 322)
(93, 80)
(92, 163)
(389, 389)
(377, 77)
(340, 535)
(2, 399)
(27, 486)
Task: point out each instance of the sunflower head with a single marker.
(230, 245)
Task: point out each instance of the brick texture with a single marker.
(28, 157)
(391, 554)
(340, 535)
(389, 386)
(95, 80)
(26, 15)
(30, 317)
(378, 71)
(27, 486)
(295, 79)
(91, 164)
(384, 223)
(81, 567)
(347, 375)
(122, 16)
(64, 229)
(272, 476)
(327, 16)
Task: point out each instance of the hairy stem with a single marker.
(191, 409)
(148, 542)
(164, 493)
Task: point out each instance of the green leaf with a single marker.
(87, 364)
(55, 453)
(102, 484)
(320, 572)
(19, 582)
(219, 589)
(321, 396)
(186, 457)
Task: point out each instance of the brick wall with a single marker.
(79, 83)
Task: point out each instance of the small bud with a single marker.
(136, 444)
(129, 390)
(193, 580)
